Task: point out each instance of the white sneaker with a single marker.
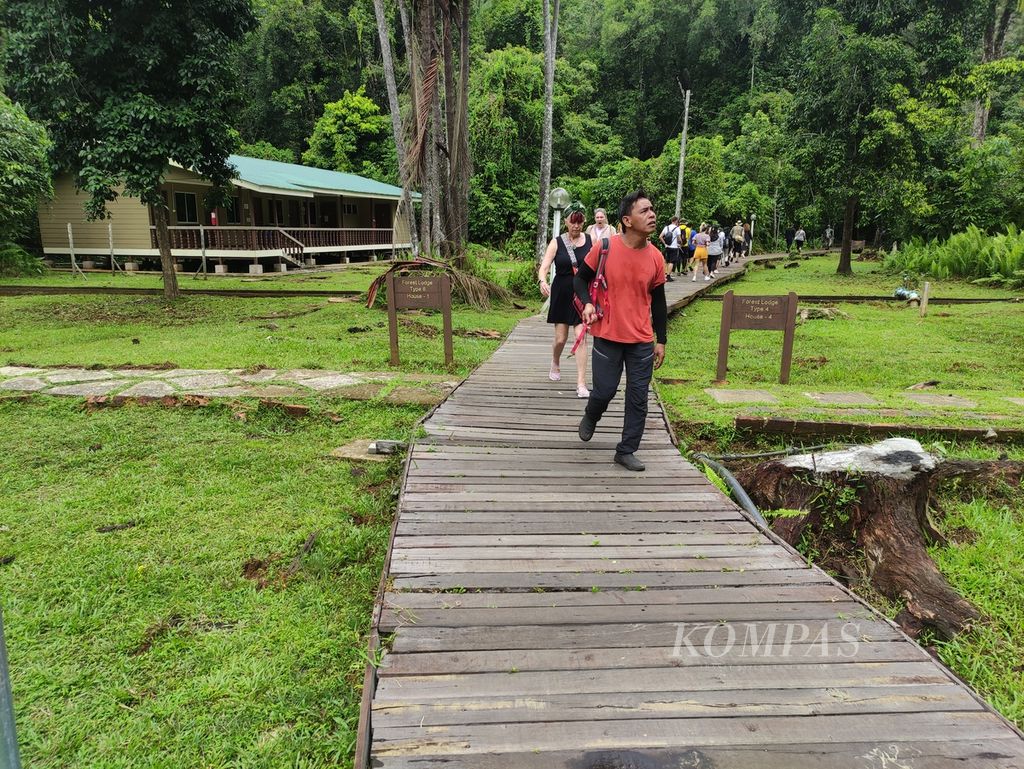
(695, 277)
(582, 391)
(707, 277)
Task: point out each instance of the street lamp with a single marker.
(558, 199)
(753, 218)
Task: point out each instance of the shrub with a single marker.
(522, 280)
(985, 259)
(17, 262)
(520, 246)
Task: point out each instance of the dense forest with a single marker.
(908, 116)
(915, 108)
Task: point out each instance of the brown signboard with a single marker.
(760, 313)
(420, 292)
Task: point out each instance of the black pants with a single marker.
(672, 258)
(609, 360)
(713, 262)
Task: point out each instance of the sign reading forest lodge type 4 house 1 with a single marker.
(760, 313)
(420, 292)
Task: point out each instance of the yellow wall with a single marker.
(129, 217)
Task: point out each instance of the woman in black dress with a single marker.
(566, 251)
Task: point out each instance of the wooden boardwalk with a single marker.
(547, 609)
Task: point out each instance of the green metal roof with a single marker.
(289, 176)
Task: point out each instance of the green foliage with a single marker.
(266, 151)
(303, 55)
(991, 260)
(353, 136)
(120, 97)
(522, 280)
(17, 262)
(24, 170)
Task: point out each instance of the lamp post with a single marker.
(558, 199)
(682, 142)
(753, 218)
(9, 758)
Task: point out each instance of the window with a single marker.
(185, 209)
(233, 212)
(349, 209)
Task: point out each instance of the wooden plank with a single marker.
(444, 566)
(612, 635)
(533, 580)
(667, 679)
(761, 731)
(718, 703)
(799, 613)
(522, 660)
(957, 752)
(742, 594)
(462, 540)
(599, 550)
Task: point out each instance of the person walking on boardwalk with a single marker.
(635, 315)
(600, 228)
(748, 239)
(567, 252)
(701, 241)
(798, 239)
(670, 239)
(715, 249)
(736, 236)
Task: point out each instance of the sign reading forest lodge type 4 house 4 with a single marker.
(760, 313)
(420, 292)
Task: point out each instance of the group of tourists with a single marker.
(703, 249)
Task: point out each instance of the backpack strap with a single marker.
(602, 259)
(570, 250)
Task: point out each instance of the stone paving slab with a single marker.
(150, 389)
(77, 375)
(250, 391)
(415, 396)
(741, 396)
(358, 451)
(87, 388)
(201, 381)
(843, 399)
(176, 373)
(6, 371)
(24, 384)
(938, 399)
(329, 382)
(266, 375)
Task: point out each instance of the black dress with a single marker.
(561, 309)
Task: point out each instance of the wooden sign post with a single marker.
(433, 292)
(760, 313)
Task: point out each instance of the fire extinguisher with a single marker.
(213, 218)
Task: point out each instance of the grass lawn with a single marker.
(224, 332)
(149, 646)
(880, 350)
(348, 277)
(985, 562)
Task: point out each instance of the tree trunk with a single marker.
(464, 163)
(845, 259)
(405, 205)
(163, 242)
(992, 44)
(550, 12)
(868, 518)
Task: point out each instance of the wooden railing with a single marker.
(272, 238)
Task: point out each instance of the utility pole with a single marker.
(682, 146)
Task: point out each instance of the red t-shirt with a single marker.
(632, 274)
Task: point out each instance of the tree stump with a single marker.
(866, 512)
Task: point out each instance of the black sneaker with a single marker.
(587, 426)
(668, 278)
(629, 461)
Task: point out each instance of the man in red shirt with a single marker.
(625, 337)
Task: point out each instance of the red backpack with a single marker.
(598, 296)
